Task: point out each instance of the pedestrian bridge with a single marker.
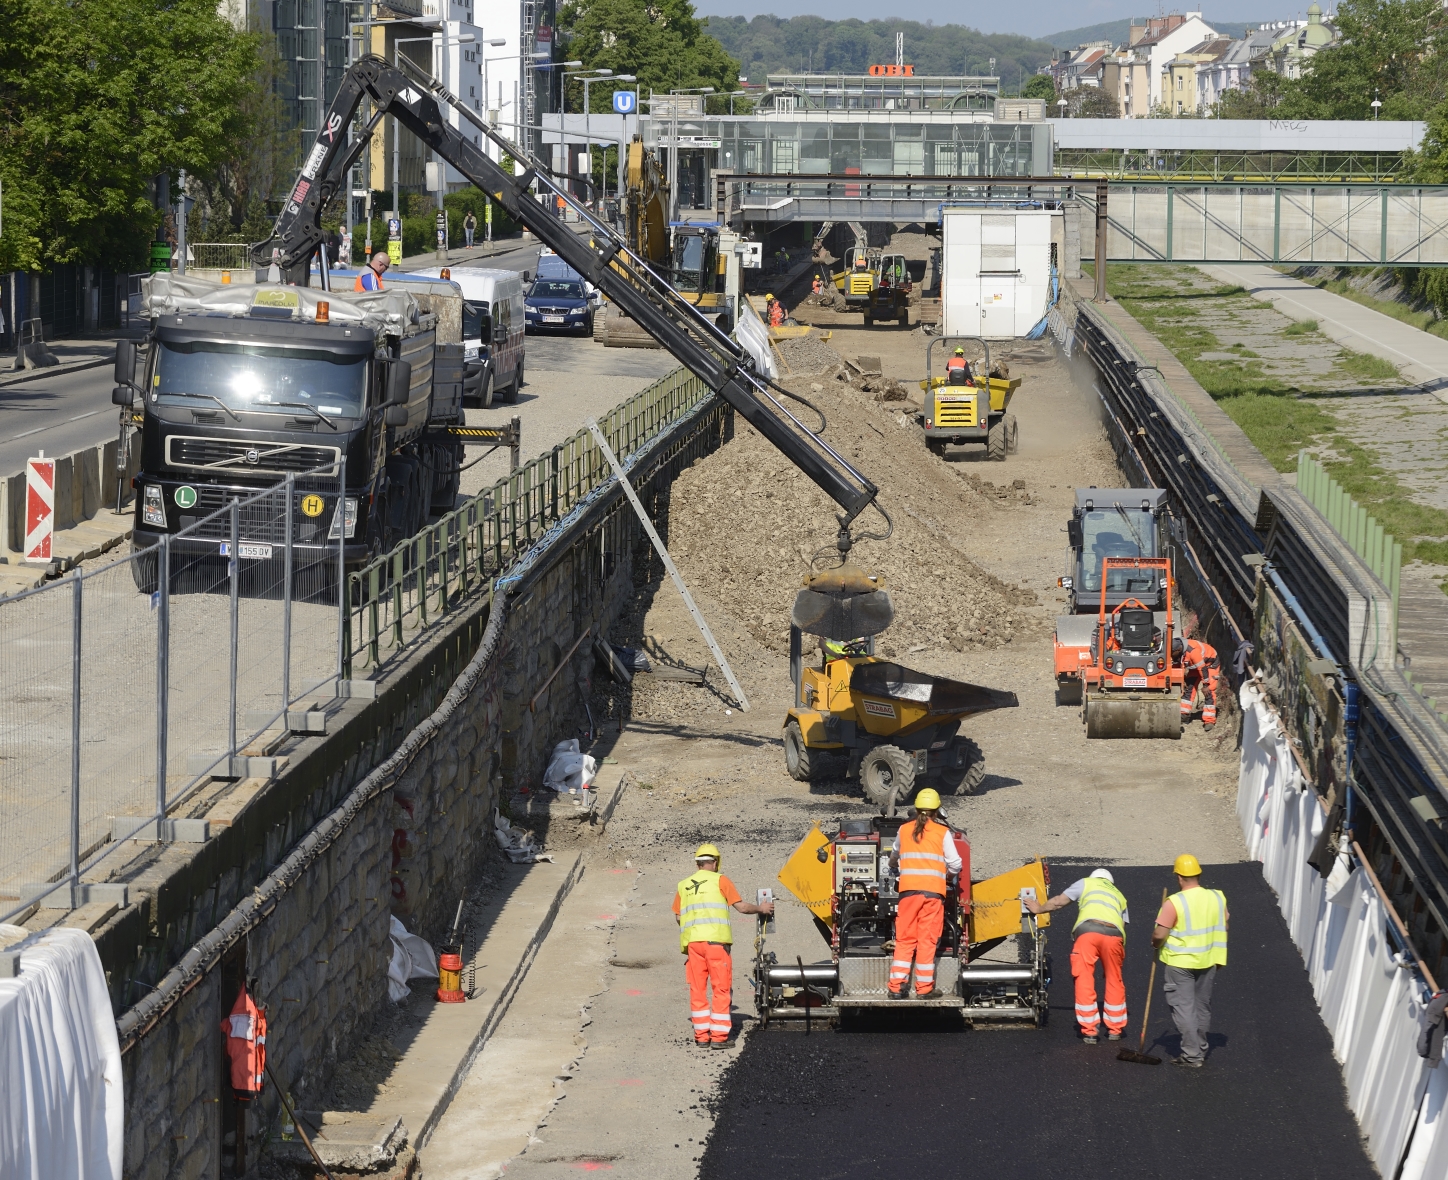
(1369, 224)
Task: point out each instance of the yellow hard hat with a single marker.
(928, 800)
(706, 852)
(768, 297)
(1187, 865)
(960, 352)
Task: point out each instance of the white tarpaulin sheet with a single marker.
(61, 1106)
(753, 336)
(1371, 1005)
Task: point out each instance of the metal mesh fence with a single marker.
(130, 684)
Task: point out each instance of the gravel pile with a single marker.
(807, 354)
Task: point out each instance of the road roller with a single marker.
(1132, 684)
(844, 878)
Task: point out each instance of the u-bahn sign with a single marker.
(892, 71)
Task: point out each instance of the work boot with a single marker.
(1189, 1062)
(1111, 1036)
(1090, 1038)
(895, 995)
(930, 995)
(719, 1045)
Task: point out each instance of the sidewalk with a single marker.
(75, 353)
(1423, 358)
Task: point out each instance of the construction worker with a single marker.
(817, 287)
(701, 907)
(371, 277)
(1191, 933)
(1100, 935)
(925, 857)
(1199, 682)
(776, 311)
(835, 649)
(957, 363)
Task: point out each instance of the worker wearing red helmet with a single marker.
(701, 907)
(1100, 936)
(925, 857)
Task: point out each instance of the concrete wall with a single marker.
(85, 483)
(319, 958)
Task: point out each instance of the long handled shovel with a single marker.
(1139, 1054)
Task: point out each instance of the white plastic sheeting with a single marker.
(62, 1114)
(1372, 1006)
(412, 958)
(753, 337)
(568, 769)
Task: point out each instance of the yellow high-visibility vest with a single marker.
(703, 912)
(1101, 901)
(1199, 938)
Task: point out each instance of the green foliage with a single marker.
(661, 42)
(1259, 101)
(769, 44)
(1429, 164)
(98, 97)
(1300, 328)
(1394, 48)
(1039, 86)
(1091, 102)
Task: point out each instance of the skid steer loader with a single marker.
(895, 725)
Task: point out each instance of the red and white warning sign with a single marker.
(39, 508)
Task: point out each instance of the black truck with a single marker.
(244, 385)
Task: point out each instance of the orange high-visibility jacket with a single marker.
(922, 862)
(245, 1032)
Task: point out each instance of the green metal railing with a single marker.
(1120, 164)
(400, 595)
(1379, 550)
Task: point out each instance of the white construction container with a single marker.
(996, 270)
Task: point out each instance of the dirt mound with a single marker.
(745, 524)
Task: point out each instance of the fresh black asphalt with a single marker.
(924, 1101)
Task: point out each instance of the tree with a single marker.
(1039, 86)
(1392, 48)
(661, 42)
(1091, 102)
(96, 98)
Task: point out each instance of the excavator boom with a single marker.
(602, 257)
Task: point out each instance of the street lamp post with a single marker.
(589, 77)
(1063, 104)
(1376, 104)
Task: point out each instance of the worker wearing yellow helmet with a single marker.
(1191, 934)
(701, 907)
(926, 858)
(957, 362)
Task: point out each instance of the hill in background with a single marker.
(769, 44)
(1117, 32)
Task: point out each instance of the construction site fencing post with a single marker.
(290, 565)
(163, 667)
(78, 585)
(233, 570)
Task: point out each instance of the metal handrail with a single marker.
(402, 594)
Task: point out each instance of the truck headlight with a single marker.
(350, 511)
(153, 509)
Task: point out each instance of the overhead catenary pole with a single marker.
(668, 563)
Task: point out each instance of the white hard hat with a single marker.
(1106, 873)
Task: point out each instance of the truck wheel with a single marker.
(995, 441)
(965, 778)
(797, 758)
(887, 775)
(486, 395)
(1013, 435)
(445, 491)
(143, 568)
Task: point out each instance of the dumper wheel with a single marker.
(797, 757)
(995, 440)
(935, 447)
(1013, 435)
(966, 778)
(887, 774)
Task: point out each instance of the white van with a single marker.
(494, 331)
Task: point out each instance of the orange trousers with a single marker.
(1111, 951)
(918, 923)
(709, 963)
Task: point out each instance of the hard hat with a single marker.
(769, 297)
(706, 852)
(1105, 875)
(927, 800)
(1187, 865)
(960, 352)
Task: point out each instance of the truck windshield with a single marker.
(1111, 532)
(255, 377)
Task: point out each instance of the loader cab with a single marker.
(1116, 522)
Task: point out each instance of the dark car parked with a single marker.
(560, 304)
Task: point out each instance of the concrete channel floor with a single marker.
(903, 1098)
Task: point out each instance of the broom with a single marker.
(1139, 1055)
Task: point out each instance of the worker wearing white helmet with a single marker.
(701, 907)
(1100, 932)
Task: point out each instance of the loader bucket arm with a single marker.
(605, 260)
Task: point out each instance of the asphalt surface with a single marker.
(910, 1100)
(55, 414)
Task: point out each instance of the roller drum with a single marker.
(1118, 717)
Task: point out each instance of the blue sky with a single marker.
(1033, 19)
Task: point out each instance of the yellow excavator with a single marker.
(684, 255)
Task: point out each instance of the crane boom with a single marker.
(603, 258)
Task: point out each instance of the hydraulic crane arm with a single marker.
(603, 258)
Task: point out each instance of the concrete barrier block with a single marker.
(89, 463)
(12, 514)
(65, 514)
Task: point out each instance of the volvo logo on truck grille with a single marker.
(221, 454)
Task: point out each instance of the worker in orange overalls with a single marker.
(925, 857)
(818, 286)
(1100, 932)
(701, 907)
(1199, 680)
(776, 311)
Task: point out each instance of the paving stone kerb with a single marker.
(318, 957)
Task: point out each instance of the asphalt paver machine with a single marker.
(895, 725)
(844, 878)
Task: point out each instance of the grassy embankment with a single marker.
(1281, 416)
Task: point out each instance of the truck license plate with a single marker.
(552, 319)
(245, 550)
(1134, 681)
